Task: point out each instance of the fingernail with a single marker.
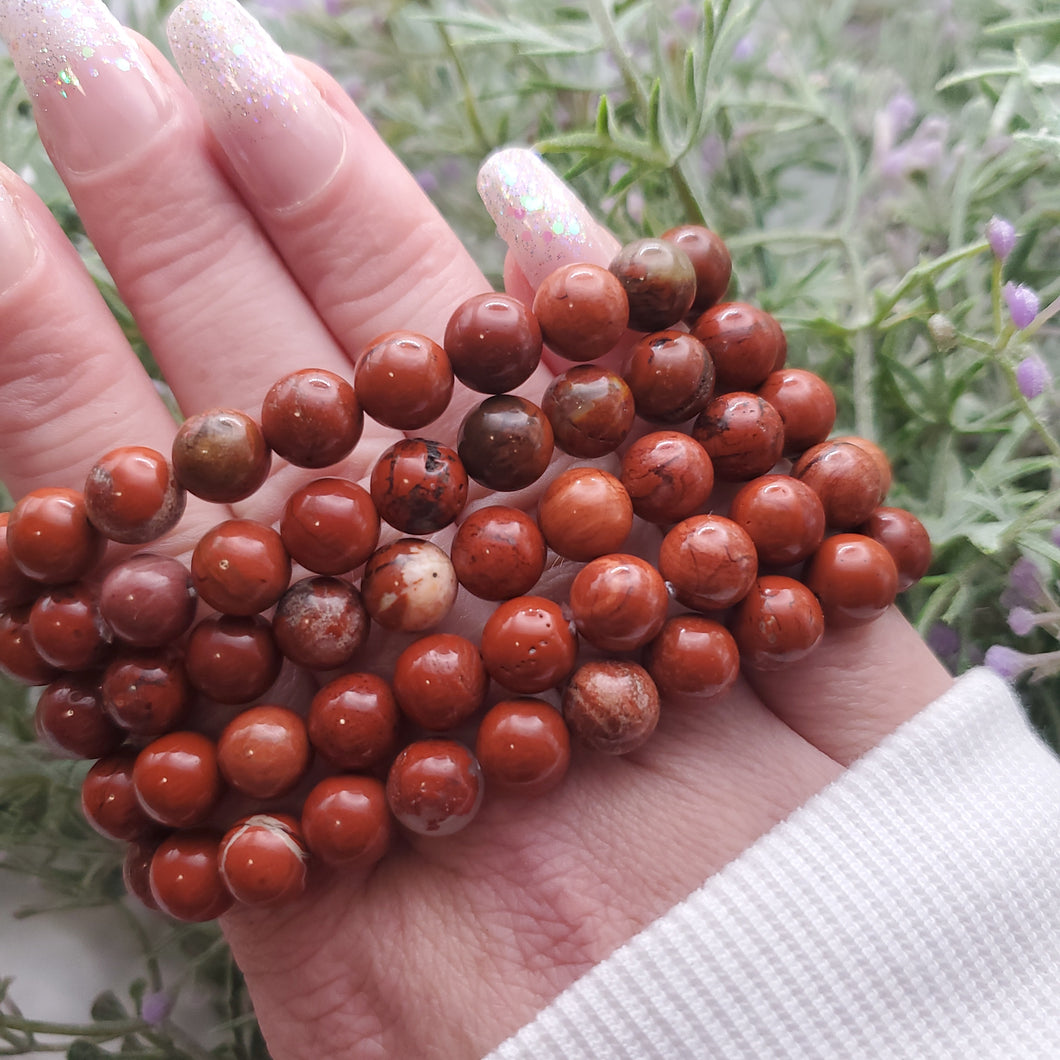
(95, 97)
(281, 137)
(536, 213)
(18, 247)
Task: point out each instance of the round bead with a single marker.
(854, 578)
(132, 495)
(19, 658)
(806, 406)
(590, 410)
(667, 475)
(709, 561)
(311, 418)
(264, 751)
(659, 281)
(493, 342)
(353, 721)
(879, 458)
(346, 821)
(146, 691)
(778, 622)
(845, 477)
(67, 628)
(109, 802)
(742, 434)
(671, 376)
(16, 587)
(221, 455)
(70, 719)
(710, 259)
(907, 540)
(263, 860)
(240, 567)
(583, 311)
(136, 872)
(523, 746)
(618, 602)
(419, 486)
(528, 645)
(50, 537)
(409, 585)
(176, 779)
(186, 879)
(330, 526)
(434, 787)
(232, 659)
(783, 517)
(404, 380)
(611, 706)
(440, 681)
(148, 601)
(320, 623)
(746, 343)
(693, 656)
(498, 553)
(585, 513)
(505, 443)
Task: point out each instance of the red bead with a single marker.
(528, 645)
(611, 706)
(879, 458)
(419, 486)
(523, 746)
(493, 342)
(19, 658)
(232, 659)
(505, 443)
(346, 821)
(177, 779)
(50, 537)
(583, 311)
(498, 553)
(618, 602)
(845, 477)
(132, 495)
(693, 656)
(409, 585)
(15, 586)
(440, 681)
(136, 871)
(320, 623)
(667, 475)
(590, 410)
(221, 456)
(240, 567)
(806, 406)
(311, 418)
(262, 860)
(67, 628)
(109, 802)
(671, 375)
(746, 343)
(742, 434)
(710, 259)
(404, 380)
(186, 879)
(148, 601)
(353, 721)
(778, 622)
(659, 281)
(434, 787)
(585, 513)
(70, 719)
(854, 578)
(330, 526)
(907, 540)
(264, 752)
(709, 561)
(783, 517)
(146, 690)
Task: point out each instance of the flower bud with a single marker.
(1001, 236)
(1033, 376)
(942, 332)
(1022, 303)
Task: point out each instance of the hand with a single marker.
(283, 234)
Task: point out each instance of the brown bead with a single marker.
(19, 658)
(330, 526)
(232, 658)
(493, 342)
(312, 418)
(742, 434)
(854, 578)
(659, 281)
(778, 622)
(404, 380)
(583, 311)
(693, 656)
(15, 586)
(67, 628)
(69, 718)
(409, 585)
(523, 746)
(907, 540)
(618, 602)
(136, 871)
(264, 751)
(346, 821)
(353, 721)
(109, 802)
(148, 600)
(746, 343)
(611, 706)
(440, 681)
(176, 779)
(806, 406)
(320, 623)
(505, 443)
(434, 787)
(186, 879)
(262, 860)
(240, 567)
(667, 475)
(50, 537)
(146, 690)
(879, 458)
(845, 477)
(709, 561)
(132, 495)
(585, 513)
(498, 553)
(590, 409)
(710, 259)
(528, 645)
(783, 517)
(671, 375)
(419, 486)
(221, 456)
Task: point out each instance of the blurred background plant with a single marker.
(887, 176)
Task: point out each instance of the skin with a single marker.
(447, 947)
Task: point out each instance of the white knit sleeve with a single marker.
(910, 910)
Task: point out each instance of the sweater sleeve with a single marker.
(909, 910)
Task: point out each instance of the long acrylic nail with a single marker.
(281, 137)
(18, 247)
(95, 95)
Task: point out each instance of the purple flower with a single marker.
(1021, 620)
(744, 48)
(1001, 236)
(1022, 303)
(686, 17)
(944, 641)
(1025, 580)
(427, 181)
(1007, 662)
(1055, 535)
(900, 111)
(1033, 376)
(155, 1007)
